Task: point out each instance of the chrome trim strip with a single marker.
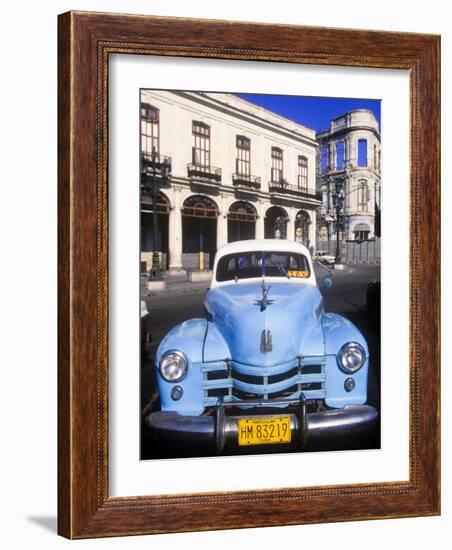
(231, 399)
(261, 370)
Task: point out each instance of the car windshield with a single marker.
(247, 265)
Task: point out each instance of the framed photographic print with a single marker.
(248, 275)
(259, 344)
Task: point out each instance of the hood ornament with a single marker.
(264, 302)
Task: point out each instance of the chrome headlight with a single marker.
(351, 357)
(173, 366)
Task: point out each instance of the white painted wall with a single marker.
(28, 289)
(177, 114)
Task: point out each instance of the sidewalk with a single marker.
(173, 287)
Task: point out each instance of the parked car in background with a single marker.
(324, 258)
(267, 365)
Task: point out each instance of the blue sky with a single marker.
(313, 112)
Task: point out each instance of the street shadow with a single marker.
(49, 523)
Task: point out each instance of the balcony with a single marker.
(154, 165)
(208, 174)
(284, 188)
(246, 182)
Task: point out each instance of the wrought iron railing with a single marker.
(152, 162)
(246, 180)
(285, 188)
(204, 172)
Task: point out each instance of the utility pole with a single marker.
(155, 174)
(338, 204)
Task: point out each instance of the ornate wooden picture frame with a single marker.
(86, 40)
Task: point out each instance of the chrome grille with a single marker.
(236, 382)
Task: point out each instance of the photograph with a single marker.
(260, 244)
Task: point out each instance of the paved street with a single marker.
(182, 300)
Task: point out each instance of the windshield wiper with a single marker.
(280, 268)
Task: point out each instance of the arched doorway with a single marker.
(199, 232)
(149, 241)
(241, 221)
(275, 223)
(302, 223)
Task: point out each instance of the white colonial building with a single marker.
(237, 171)
(350, 155)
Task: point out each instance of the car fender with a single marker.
(215, 345)
(337, 331)
(188, 337)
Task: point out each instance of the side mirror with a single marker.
(327, 282)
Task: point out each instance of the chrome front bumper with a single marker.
(307, 428)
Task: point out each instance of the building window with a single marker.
(324, 159)
(363, 195)
(340, 160)
(242, 211)
(362, 152)
(302, 173)
(277, 165)
(361, 232)
(361, 235)
(150, 131)
(243, 160)
(199, 206)
(375, 157)
(201, 144)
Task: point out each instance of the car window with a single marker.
(247, 265)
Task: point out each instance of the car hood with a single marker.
(293, 319)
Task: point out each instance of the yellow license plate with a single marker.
(262, 431)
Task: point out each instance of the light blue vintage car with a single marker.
(266, 365)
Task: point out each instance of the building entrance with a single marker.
(199, 232)
(241, 221)
(275, 226)
(149, 241)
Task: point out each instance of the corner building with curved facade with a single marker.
(349, 152)
(237, 171)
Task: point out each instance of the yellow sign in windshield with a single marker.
(298, 274)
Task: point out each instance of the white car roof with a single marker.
(271, 245)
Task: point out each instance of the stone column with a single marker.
(313, 229)
(222, 228)
(331, 233)
(260, 222)
(331, 163)
(175, 234)
(353, 152)
(290, 228)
